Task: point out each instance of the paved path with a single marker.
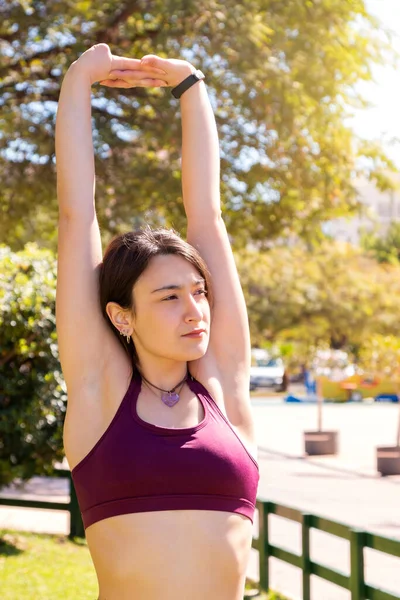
(345, 488)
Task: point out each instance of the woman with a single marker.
(159, 431)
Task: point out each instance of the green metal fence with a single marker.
(355, 582)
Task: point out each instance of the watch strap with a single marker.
(187, 83)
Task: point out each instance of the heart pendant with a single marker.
(170, 398)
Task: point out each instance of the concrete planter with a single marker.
(388, 460)
(318, 443)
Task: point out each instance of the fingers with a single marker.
(137, 78)
(151, 60)
(134, 75)
(152, 83)
(132, 72)
(120, 62)
(127, 64)
(115, 83)
(121, 83)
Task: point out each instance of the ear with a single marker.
(119, 317)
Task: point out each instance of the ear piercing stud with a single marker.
(128, 337)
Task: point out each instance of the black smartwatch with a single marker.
(178, 90)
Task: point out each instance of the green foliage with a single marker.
(385, 248)
(380, 355)
(281, 95)
(333, 296)
(32, 392)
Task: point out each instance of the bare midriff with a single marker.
(171, 555)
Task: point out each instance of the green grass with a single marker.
(50, 567)
(45, 567)
(263, 595)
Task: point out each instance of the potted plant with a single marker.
(335, 365)
(320, 442)
(380, 354)
(388, 457)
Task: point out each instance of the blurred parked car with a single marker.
(267, 373)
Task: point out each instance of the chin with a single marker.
(193, 354)
(199, 354)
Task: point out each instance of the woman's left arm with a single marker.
(206, 231)
(229, 345)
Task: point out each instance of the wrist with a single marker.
(76, 71)
(188, 82)
(185, 70)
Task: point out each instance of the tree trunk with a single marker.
(398, 424)
(319, 402)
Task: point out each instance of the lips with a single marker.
(195, 332)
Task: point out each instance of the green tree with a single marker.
(385, 248)
(32, 391)
(380, 355)
(332, 297)
(281, 93)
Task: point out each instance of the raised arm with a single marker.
(79, 321)
(83, 335)
(74, 147)
(230, 336)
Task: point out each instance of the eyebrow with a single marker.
(177, 287)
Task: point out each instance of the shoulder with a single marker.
(230, 390)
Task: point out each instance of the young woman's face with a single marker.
(170, 302)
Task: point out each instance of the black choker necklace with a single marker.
(169, 397)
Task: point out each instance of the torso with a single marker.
(162, 555)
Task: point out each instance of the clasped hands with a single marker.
(100, 66)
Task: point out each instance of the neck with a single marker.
(167, 379)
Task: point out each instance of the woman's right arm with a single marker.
(84, 338)
(74, 146)
(80, 326)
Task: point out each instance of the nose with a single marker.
(193, 310)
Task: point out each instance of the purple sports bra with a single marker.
(138, 467)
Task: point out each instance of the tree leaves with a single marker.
(384, 248)
(331, 296)
(32, 390)
(280, 74)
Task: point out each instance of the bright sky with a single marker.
(384, 93)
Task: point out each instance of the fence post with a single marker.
(76, 523)
(305, 558)
(357, 583)
(263, 546)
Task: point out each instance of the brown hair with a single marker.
(126, 258)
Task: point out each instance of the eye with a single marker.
(170, 297)
(202, 292)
